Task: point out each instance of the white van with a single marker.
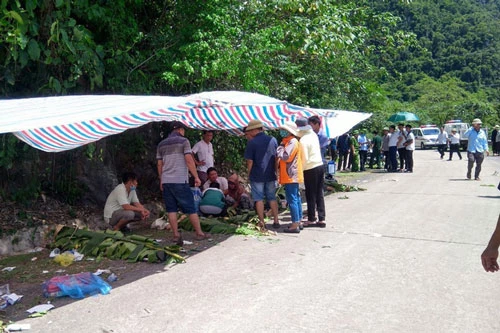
(460, 127)
(425, 136)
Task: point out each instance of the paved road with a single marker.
(403, 256)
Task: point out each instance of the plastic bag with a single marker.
(64, 259)
(75, 286)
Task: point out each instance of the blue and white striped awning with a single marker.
(55, 124)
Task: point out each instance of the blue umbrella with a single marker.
(403, 116)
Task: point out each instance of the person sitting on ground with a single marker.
(236, 196)
(212, 201)
(123, 206)
(214, 177)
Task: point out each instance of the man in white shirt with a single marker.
(213, 177)
(393, 148)
(204, 155)
(123, 206)
(454, 139)
(409, 144)
(442, 141)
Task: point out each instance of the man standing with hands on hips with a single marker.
(476, 147)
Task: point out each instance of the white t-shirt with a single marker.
(411, 137)
(393, 141)
(222, 182)
(117, 198)
(442, 138)
(454, 138)
(205, 153)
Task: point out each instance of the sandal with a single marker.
(320, 224)
(276, 225)
(291, 231)
(178, 240)
(202, 237)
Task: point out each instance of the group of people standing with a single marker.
(296, 159)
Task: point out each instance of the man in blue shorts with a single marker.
(260, 154)
(175, 159)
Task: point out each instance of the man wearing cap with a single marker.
(442, 141)
(204, 152)
(314, 174)
(290, 172)
(409, 145)
(260, 155)
(454, 140)
(174, 160)
(476, 147)
(495, 140)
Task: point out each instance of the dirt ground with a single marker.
(33, 268)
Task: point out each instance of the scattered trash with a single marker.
(45, 272)
(78, 255)
(112, 277)
(64, 259)
(54, 253)
(187, 242)
(75, 286)
(18, 327)
(3, 303)
(12, 298)
(344, 197)
(60, 271)
(8, 269)
(159, 224)
(36, 249)
(40, 308)
(4, 289)
(34, 258)
(100, 271)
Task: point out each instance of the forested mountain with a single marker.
(437, 58)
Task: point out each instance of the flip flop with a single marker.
(199, 237)
(276, 225)
(291, 231)
(315, 225)
(178, 240)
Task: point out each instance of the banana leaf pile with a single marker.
(333, 186)
(114, 245)
(241, 222)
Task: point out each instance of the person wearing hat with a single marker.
(174, 162)
(495, 140)
(442, 141)
(290, 172)
(375, 145)
(477, 145)
(385, 148)
(454, 140)
(260, 155)
(314, 174)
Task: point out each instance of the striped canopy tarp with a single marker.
(55, 124)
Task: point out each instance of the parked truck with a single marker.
(460, 127)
